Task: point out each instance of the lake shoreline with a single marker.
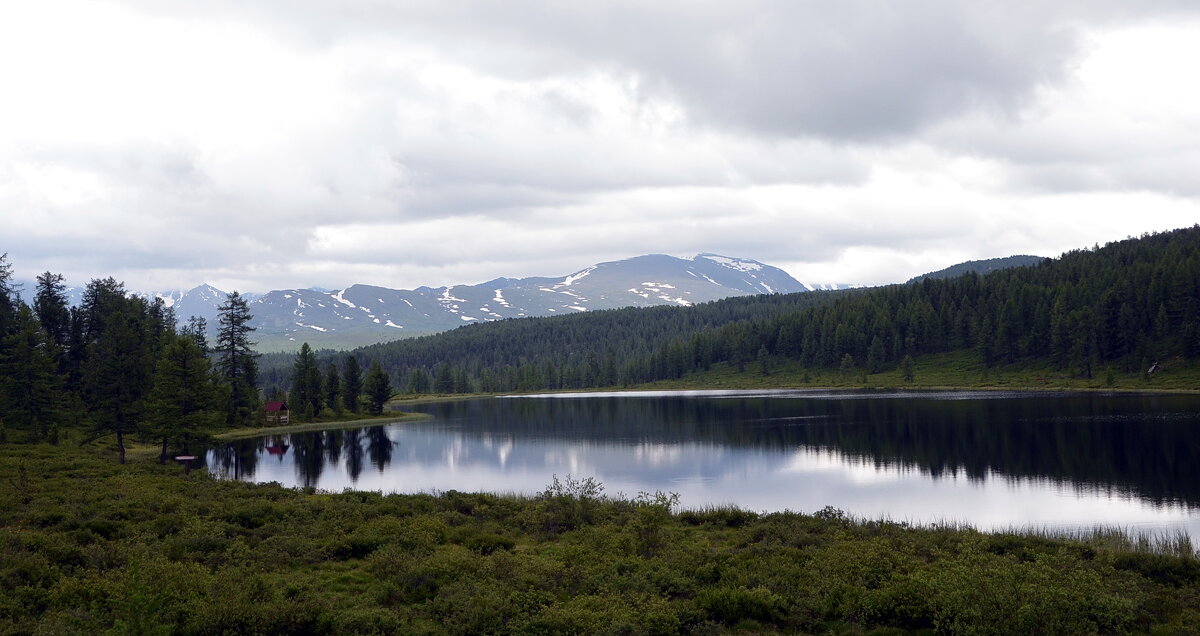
(309, 427)
(657, 387)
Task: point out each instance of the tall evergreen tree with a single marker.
(236, 360)
(351, 383)
(197, 329)
(29, 385)
(378, 387)
(333, 388)
(305, 396)
(50, 305)
(443, 379)
(115, 375)
(9, 298)
(182, 406)
(418, 381)
(101, 298)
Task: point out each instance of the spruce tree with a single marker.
(197, 329)
(9, 298)
(333, 388)
(101, 298)
(305, 396)
(443, 379)
(418, 381)
(115, 375)
(182, 406)
(236, 361)
(29, 385)
(906, 368)
(50, 305)
(378, 387)
(352, 383)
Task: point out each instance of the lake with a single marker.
(991, 459)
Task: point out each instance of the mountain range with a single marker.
(365, 314)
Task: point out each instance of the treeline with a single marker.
(117, 364)
(312, 392)
(1128, 304)
(600, 348)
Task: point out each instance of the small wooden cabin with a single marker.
(277, 414)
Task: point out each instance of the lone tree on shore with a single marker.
(378, 387)
(306, 396)
(236, 360)
(906, 368)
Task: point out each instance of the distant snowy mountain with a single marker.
(363, 314)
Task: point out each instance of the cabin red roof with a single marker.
(276, 406)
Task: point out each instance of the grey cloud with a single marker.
(851, 70)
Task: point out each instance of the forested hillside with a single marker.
(598, 348)
(1129, 303)
(985, 266)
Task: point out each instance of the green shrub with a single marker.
(733, 605)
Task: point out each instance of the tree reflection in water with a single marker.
(1139, 445)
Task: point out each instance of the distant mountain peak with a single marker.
(363, 314)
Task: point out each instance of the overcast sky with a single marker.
(258, 145)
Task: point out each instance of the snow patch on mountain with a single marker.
(341, 299)
(568, 281)
(735, 263)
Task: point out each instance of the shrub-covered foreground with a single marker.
(88, 546)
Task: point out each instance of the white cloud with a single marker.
(260, 145)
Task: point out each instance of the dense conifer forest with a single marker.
(1128, 304)
(118, 365)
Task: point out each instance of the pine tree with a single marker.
(182, 406)
(351, 383)
(236, 361)
(378, 387)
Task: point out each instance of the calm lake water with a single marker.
(994, 460)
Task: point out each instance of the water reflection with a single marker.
(992, 459)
